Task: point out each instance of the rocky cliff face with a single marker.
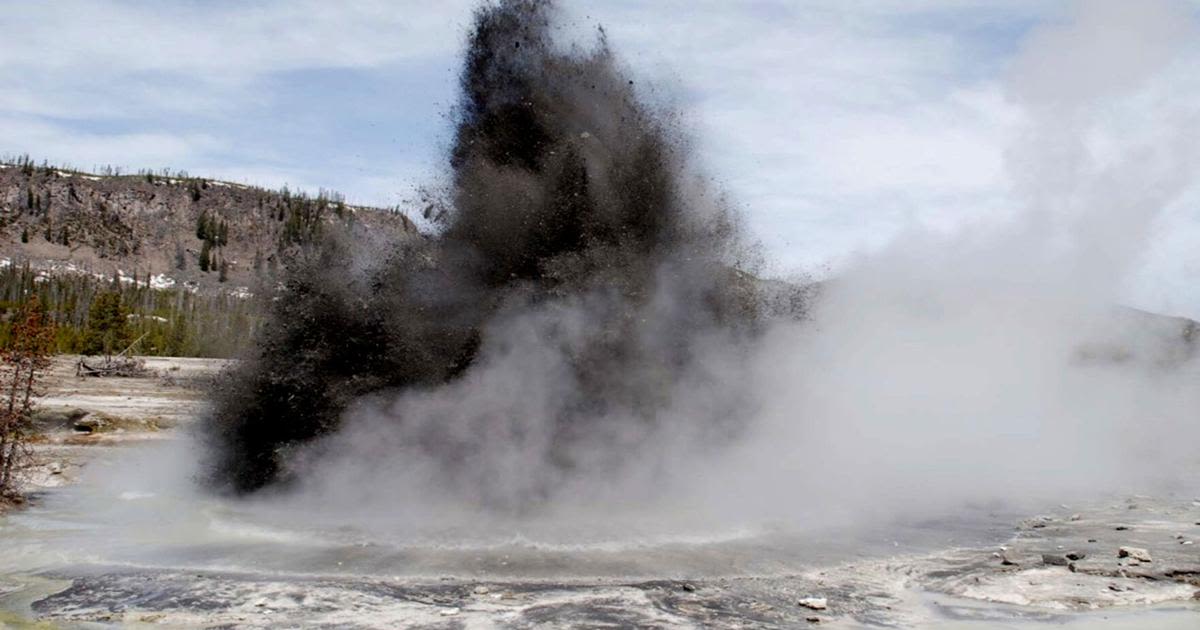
(176, 229)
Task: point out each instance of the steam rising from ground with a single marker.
(611, 361)
(994, 363)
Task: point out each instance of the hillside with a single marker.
(70, 236)
(179, 258)
(178, 229)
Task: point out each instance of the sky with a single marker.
(836, 125)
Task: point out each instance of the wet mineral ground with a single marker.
(846, 596)
(1059, 568)
(105, 543)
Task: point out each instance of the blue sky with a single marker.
(835, 124)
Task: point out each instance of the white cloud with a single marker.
(89, 150)
(231, 39)
(85, 58)
(836, 124)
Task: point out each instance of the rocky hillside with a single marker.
(178, 230)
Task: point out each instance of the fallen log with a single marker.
(110, 366)
(118, 365)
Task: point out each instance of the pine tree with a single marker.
(25, 234)
(107, 329)
(202, 226)
(205, 257)
(26, 358)
(177, 343)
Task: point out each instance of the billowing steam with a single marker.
(583, 334)
(577, 282)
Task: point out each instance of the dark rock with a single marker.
(1075, 555)
(88, 424)
(57, 418)
(1054, 560)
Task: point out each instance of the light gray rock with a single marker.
(814, 603)
(1134, 553)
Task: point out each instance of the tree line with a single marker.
(103, 316)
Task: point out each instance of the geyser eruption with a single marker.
(578, 283)
(581, 340)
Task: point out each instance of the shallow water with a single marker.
(124, 514)
(957, 614)
(136, 527)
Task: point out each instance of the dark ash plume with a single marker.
(571, 243)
